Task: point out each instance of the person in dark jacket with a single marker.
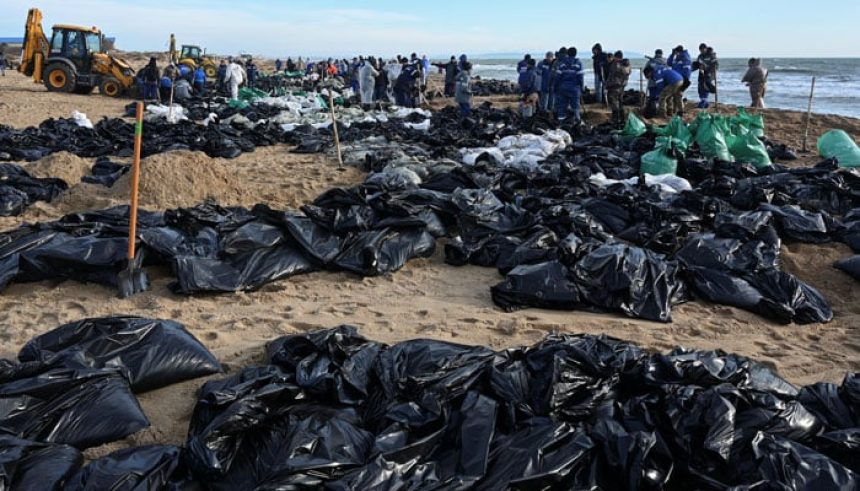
(600, 63)
(707, 65)
(569, 82)
(151, 77)
(278, 65)
(616, 81)
(681, 61)
(291, 65)
(544, 73)
(450, 77)
(221, 76)
(406, 86)
(669, 82)
(251, 70)
(381, 87)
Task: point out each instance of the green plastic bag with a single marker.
(633, 128)
(712, 139)
(676, 129)
(663, 159)
(752, 122)
(748, 148)
(251, 94)
(837, 143)
(238, 104)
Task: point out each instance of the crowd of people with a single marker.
(180, 82)
(556, 83)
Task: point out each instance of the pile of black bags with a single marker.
(18, 189)
(73, 388)
(333, 410)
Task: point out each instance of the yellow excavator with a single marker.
(73, 61)
(192, 56)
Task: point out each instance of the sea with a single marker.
(837, 84)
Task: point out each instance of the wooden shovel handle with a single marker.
(135, 179)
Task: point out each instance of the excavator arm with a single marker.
(35, 49)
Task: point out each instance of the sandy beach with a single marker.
(426, 299)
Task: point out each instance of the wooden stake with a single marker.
(170, 109)
(334, 129)
(716, 92)
(808, 116)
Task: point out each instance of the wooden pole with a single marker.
(716, 92)
(808, 116)
(170, 109)
(334, 129)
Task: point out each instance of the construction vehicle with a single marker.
(73, 61)
(192, 56)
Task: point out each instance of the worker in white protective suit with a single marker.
(367, 74)
(235, 77)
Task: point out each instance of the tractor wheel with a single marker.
(84, 89)
(59, 78)
(211, 71)
(110, 87)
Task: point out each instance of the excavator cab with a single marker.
(76, 45)
(193, 52)
(193, 56)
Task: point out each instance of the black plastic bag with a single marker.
(149, 467)
(849, 265)
(230, 410)
(377, 252)
(31, 466)
(246, 271)
(332, 365)
(151, 353)
(310, 446)
(543, 285)
(79, 407)
(795, 466)
(773, 294)
(636, 281)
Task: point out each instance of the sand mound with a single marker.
(64, 165)
(182, 178)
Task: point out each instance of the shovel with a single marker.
(132, 279)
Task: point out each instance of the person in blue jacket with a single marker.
(544, 73)
(528, 82)
(527, 79)
(199, 81)
(681, 61)
(462, 64)
(569, 82)
(669, 82)
(184, 72)
(523, 64)
(164, 86)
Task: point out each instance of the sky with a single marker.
(741, 28)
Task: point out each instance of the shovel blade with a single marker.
(131, 281)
